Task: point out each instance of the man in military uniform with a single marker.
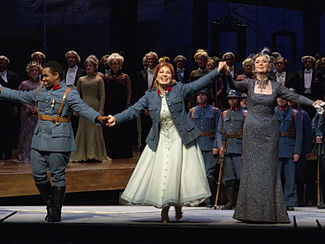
(290, 145)
(320, 140)
(206, 118)
(230, 130)
(53, 139)
(302, 164)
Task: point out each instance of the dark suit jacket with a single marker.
(80, 72)
(314, 84)
(186, 75)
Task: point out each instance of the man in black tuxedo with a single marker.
(288, 79)
(8, 111)
(181, 73)
(308, 84)
(145, 82)
(229, 57)
(71, 76)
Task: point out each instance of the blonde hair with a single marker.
(199, 53)
(115, 56)
(268, 58)
(75, 54)
(249, 61)
(92, 59)
(32, 64)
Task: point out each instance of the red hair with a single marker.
(158, 67)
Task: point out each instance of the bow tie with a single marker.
(279, 75)
(150, 70)
(308, 71)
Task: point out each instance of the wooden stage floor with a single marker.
(141, 224)
(16, 178)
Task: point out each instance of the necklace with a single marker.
(261, 84)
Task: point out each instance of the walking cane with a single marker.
(318, 180)
(219, 181)
(221, 158)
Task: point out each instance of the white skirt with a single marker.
(173, 175)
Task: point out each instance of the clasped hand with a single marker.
(108, 120)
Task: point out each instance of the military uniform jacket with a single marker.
(287, 145)
(233, 123)
(48, 136)
(206, 119)
(175, 100)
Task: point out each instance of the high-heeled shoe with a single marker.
(164, 214)
(178, 212)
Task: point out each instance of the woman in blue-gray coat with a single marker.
(170, 171)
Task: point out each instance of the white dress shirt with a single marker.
(4, 76)
(308, 75)
(281, 77)
(71, 75)
(150, 77)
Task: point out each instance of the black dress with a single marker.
(118, 97)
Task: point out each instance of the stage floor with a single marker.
(141, 224)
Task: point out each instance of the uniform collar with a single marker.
(286, 107)
(235, 108)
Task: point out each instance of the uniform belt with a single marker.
(235, 135)
(208, 133)
(287, 134)
(53, 118)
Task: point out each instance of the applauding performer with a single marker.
(53, 139)
(170, 171)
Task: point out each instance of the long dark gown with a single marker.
(117, 138)
(260, 197)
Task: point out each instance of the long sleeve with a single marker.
(204, 81)
(285, 93)
(101, 93)
(133, 111)
(128, 91)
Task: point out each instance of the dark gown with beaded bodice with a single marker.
(260, 197)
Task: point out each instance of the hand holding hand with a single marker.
(223, 65)
(111, 120)
(102, 119)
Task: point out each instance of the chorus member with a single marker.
(181, 74)
(260, 197)
(216, 90)
(201, 59)
(71, 75)
(145, 82)
(290, 148)
(118, 98)
(229, 139)
(28, 112)
(89, 139)
(170, 171)
(206, 118)
(8, 111)
(38, 57)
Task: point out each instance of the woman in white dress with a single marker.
(170, 171)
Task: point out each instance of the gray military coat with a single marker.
(48, 136)
(175, 100)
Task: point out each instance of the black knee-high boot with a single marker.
(58, 194)
(46, 194)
